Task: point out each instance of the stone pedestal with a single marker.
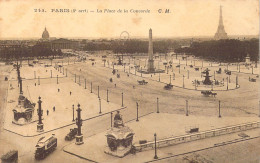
(40, 128)
(79, 140)
(150, 68)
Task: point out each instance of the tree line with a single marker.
(38, 50)
(131, 46)
(223, 50)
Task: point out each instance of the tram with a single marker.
(45, 146)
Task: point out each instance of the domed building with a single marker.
(45, 34)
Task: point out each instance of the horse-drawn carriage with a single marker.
(219, 71)
(228, 72)
(197, 69)
(113, 72)
(252, 79)
(168, 86)
(208, 93)
(142, 82)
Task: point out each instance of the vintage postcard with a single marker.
(129, 81)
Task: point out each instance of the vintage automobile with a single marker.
(142, 82)
(191, 66)
(178, 66)
(168, 86)
(71, 135)
(11, 156)
(197, 69)
(45, 146)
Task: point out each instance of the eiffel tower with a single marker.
(220, 34)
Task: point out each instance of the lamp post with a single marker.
(40, 124)
(159, 76)
(57, 79)
(75, 78)
(219, 109)
(187, 111)
(122, 99)
(73, 112)
(227, 83)
(85, 84)
(183, 81)
(91, 87)
(98, 91)
(107, 96)
(66, 73)
(170, 79)
(51, 73)
(99, 106)
(111, 119)
(34, 74)
(157, 105)
(79, 137)
(236, 81)
(38, 80)
(137, 112)
(155, 147)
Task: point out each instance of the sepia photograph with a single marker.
(129, 81)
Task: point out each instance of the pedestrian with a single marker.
(58, 89)
(70, 93)
(53, 108)
(47, 112)
(115, 85)
(35, 84)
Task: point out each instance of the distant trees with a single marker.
(223, 50)
(132, 46)
(41, 49)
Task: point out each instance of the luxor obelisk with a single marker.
(150, 68)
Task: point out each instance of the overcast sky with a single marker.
(186, 18)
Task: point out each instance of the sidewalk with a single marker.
(170, 125)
